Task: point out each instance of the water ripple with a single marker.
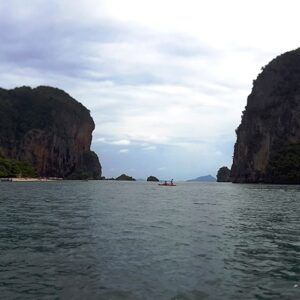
(118, 240)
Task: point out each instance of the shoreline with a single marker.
(23, 179)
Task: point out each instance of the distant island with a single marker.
(206, 178)
(152, 178)
(125, 177)
(267, 149)
(44, 132)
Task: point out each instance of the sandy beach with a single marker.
(22, 179)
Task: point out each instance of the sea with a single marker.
(138, 240)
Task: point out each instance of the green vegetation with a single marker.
(284, 167)
(11, 168)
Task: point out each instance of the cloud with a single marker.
(123, 150)
(107, 140)
(174, 81)
(121, 142)
(150, 148)
(161, 168)
(101, 139)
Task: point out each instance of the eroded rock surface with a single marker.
(49, 129)
(268, 139)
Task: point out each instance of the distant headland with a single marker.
(44, 132)
(206, 178)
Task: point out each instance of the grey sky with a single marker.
(166, 81)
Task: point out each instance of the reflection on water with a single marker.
(136, 240)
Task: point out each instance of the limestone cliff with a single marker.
(223, 175)
(48, 129)
(268, 139)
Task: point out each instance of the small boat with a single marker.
(6, 179)
(167, 184)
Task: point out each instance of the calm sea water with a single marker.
(136, 240)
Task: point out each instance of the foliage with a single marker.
(11, 168)
(284, 167)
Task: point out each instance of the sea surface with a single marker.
(137, 240)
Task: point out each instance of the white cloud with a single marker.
(121, 142)
(161, 168)
(106, 140)
(101, 139)
(153, 73)
(150, 148)
(123, 150)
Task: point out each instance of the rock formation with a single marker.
(125, 178)
(152, 178)
(206, 178)
(48, 129)
(268, 140)
(223, 175)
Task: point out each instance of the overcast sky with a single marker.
(166, 81)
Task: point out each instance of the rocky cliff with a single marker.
(153, 178)
(268, 140)
(223, 175)
(48, 129)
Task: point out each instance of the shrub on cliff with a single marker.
(284, 166)
(14, 168)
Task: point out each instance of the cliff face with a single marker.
(48, 129)
(268, 139)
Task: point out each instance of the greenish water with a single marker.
(136, 240)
